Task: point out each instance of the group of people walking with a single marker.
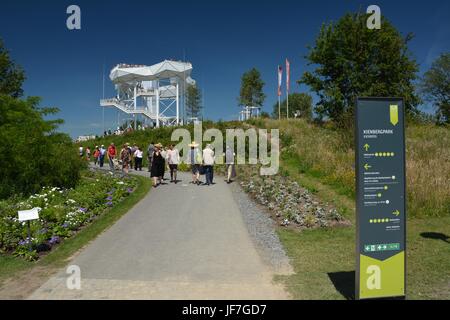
(159, 158)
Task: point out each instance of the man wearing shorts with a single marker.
(173, 158)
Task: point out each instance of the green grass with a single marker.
(12, 266)
(324, 261)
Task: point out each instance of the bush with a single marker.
(33, 154)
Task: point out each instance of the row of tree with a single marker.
(351, 60)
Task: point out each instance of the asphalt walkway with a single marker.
(180, 242)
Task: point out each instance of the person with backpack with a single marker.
(195, 159)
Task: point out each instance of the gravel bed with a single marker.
(261, 228)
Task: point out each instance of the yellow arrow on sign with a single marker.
(396, 213)
(367, 167)
(394, 114)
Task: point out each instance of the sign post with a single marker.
(380, 198)
(28, 215)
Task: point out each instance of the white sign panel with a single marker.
(32, 214)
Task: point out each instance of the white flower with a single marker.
(120, 182)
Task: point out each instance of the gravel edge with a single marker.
(261, 228)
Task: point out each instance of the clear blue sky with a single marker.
(222, 39)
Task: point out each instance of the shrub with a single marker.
(33, 154)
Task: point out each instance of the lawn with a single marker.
(324, 261)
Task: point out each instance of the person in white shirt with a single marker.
(229, 161)
(208, 163)
(173, 158)
(138, 154)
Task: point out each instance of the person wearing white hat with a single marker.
(195, 159)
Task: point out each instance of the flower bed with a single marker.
(289, 202)
(63, 213)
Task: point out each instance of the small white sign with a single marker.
(31, 214)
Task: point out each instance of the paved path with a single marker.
(180, 242)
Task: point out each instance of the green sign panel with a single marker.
(380, 198)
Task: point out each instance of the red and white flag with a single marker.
(288, 75)
(280, 77)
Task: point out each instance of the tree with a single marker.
(35, 155)
(193, 101)
(11, 75)
(353, 61)
(301, 102)
(251, 93)
(435, 86)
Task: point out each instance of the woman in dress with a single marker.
(158, 163)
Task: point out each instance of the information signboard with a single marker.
(380, 198)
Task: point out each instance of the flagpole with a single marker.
(288, 80)
(287, 104)
(279, 107)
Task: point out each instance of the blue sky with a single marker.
(222, 39)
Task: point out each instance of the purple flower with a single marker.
(109, 203)
(110, 192)
(109, 198)
(130, 190)
(24, 242)
(83, 209)
(65, 225)
(54, 239)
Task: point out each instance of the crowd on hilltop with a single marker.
(160, 160)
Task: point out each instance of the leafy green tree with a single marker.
(435, 85)
(11, 75)
(251, 93)
(352, 60)
(33, 153)
(193, 101)
(301, 102)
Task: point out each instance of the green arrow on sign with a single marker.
(396, 213)
(366, 146)
(367, 167)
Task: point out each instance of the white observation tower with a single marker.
(151, 91)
